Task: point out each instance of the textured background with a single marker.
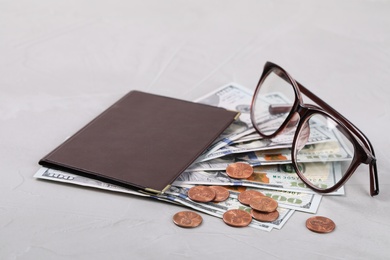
(63, 62)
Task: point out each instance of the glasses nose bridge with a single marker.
(304, 110)
(295, 117)
(301, 110)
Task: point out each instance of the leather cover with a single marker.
(143, 141)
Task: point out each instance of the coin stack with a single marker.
(263, 208)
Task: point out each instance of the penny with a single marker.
(201, 194)
(187, 219)
(237, 218)
(246, 196)
(265, 216)
(264, 204)
(221, 193)
(320, 224)
(239, 170)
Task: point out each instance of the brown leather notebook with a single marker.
(143, 141)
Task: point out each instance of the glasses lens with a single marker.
(326, 150)
(272, 102)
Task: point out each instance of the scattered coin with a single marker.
(201, 194)
(320, 224)
(221, 193)
(264, 204)
(265, 216)
(239, 170)
(246, 196)
(237, 218)
(187, 219)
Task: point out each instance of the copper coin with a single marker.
(320, 224)
(264, 204)
(246, 196)
(201, 194)
(221, 193)
(187, 219)
(265, 216)
(237, 218)
(239, 170)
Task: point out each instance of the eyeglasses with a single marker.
(326, 147)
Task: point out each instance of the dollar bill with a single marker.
(326, 176)
(232, 97)
(277, 177)
(319, 136)
(225, 156)
(248, 138)
(297, 200)
(61, 176)
(286, 137)
(64, 177)
(218, 208)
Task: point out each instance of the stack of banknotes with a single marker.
(271, 158)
